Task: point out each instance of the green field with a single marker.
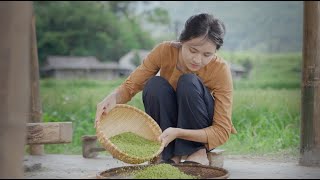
(266, 110)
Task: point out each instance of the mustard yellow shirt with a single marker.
(216, 76)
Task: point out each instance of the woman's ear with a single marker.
(215, 55)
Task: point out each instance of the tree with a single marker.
(106, 30)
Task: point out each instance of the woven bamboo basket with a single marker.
(125, 118)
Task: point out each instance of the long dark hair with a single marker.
(204, 25)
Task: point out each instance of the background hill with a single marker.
(110, 29)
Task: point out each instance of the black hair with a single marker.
(204, 25)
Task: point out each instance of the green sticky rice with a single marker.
(135, 145)
(162, 171)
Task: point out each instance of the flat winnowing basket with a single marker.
(125, 118)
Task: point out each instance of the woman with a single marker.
(191, 100)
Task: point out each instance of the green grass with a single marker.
(275, 71)
(266, 109)
(267, 121)
(75, 101)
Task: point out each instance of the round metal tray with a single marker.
(205, 172)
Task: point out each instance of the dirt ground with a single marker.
(239, 167)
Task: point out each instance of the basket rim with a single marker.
(99, 175)
(115, 151)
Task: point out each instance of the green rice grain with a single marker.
(135, 145)
(162, 171)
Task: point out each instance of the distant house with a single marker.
(72, 67)
(238, 71)
(133, 58)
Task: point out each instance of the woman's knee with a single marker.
(188, 83)
(157, 86)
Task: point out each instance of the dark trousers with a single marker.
(189, 107)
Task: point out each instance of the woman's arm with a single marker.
(106, 105)
(133, 84)
(222, 127)
(170, 134)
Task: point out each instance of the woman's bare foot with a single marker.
(176, 159)
(199, 156)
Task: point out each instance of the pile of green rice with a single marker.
(135, 145)
(162, 171)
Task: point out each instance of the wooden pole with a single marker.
(15, 20)
(310, 110)
(35, 106)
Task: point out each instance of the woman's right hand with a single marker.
(105, 106)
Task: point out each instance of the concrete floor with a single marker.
(239, 167)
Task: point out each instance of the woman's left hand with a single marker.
(169, 135)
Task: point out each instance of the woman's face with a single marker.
(197, 52)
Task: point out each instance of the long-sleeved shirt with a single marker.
(216, 76)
